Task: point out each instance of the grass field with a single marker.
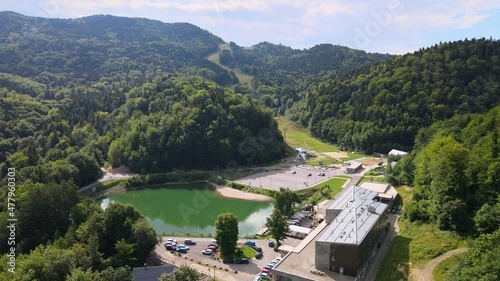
(415, 246)
(322, 191)
(296, 136)
(443, 271)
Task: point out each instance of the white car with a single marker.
(207, 252)
(183, 246)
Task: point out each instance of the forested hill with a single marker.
(112, 50)
(385, 105)
(283, 74)
(269, 58)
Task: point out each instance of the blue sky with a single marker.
(386, 26)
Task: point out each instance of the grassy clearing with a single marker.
(373, 179)
(322, 191)
(295, 136)
(246, 252)
(443, 271)
(415, 246)
(300, 137)
(243, 78)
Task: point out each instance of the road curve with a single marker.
(425, 274)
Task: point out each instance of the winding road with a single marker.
(425, 274)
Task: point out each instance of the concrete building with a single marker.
(341, 247)
(358, 223)
(353, 167)
(386, 193)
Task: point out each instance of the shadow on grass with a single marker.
(396, 265)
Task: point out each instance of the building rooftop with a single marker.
(359, 213)
(355, 165)
(397, 152)
(384, 189)
(301, 261)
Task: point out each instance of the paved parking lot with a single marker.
(194, 253)
(305, 176)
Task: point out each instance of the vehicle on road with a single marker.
(250, 243)
(207, 252)
(227, 260)
(265, 270)
(257, 248)
(213, 248)
(170, 247)
(241, 261)
(181, 250)
(189, 242)
(264, 276)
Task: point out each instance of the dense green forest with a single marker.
(78, 94)
(455, 172)
(282, 75)
(61, 236)
(382, 106)
(189, 122)
(114, 53)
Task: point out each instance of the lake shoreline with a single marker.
(229, 192)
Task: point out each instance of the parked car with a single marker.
(207, 252)
(227, 260)
(294, 172)
(182, 246)
(268, 267)
(309, 174)
(270, 243)
(170, 247)
(242, 260)
(257, 278)
(189, 242)
(213, 248)
(264, 276)
(250, 243)
(259, 255)
(181, 250)
(265, 270)
(257, 248)
(214, 245)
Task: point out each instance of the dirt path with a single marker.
(425, 274)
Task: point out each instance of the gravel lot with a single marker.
(274, 179)
(194, 253)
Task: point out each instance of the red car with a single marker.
(265, 270)
(213, 248)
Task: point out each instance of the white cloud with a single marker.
(299, 23)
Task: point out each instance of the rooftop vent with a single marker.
(372, 209)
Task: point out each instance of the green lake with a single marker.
(191, 208)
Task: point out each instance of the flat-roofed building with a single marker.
(353, 167)
(386, 193)
(358, 224)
